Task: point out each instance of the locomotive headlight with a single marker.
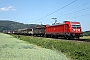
(79, 30)
(73, 30)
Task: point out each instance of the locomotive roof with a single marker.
(66, 22)
(55, 25)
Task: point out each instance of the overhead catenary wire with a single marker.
(72, 12)
(75, 8)
(83, 9)
(75, 12)
(79, 16)
(56, 10)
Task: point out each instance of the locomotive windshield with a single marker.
(76, 26)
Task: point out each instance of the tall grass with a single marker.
(14, 49)
(75, 50)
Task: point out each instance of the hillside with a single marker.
(11, 25)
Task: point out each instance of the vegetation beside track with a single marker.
(86, 37)
(73, 50)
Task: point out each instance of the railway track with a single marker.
(60, 38)
(79, 40)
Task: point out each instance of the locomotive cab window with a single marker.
(76, 26)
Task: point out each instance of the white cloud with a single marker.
(7, 8)
(10, 7)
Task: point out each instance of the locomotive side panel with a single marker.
(57, 30)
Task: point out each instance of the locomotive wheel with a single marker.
(56, 36)
(66, 37)
(46, 35)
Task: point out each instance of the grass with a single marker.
(73, 50)
(14, 49)
(86, 37)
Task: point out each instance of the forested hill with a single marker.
(11, 25)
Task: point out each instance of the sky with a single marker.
(42, 11)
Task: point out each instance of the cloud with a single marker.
(7, 8)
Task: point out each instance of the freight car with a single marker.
(25, 31)
(36, 31)
(68, 30)
(39, 31)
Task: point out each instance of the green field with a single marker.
(86, 37)
(14, 49)
(76, 50)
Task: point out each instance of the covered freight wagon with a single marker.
(39, 31)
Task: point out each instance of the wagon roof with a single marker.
(24, 29)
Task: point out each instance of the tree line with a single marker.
(86, 33)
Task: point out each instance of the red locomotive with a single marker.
(67, 30)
